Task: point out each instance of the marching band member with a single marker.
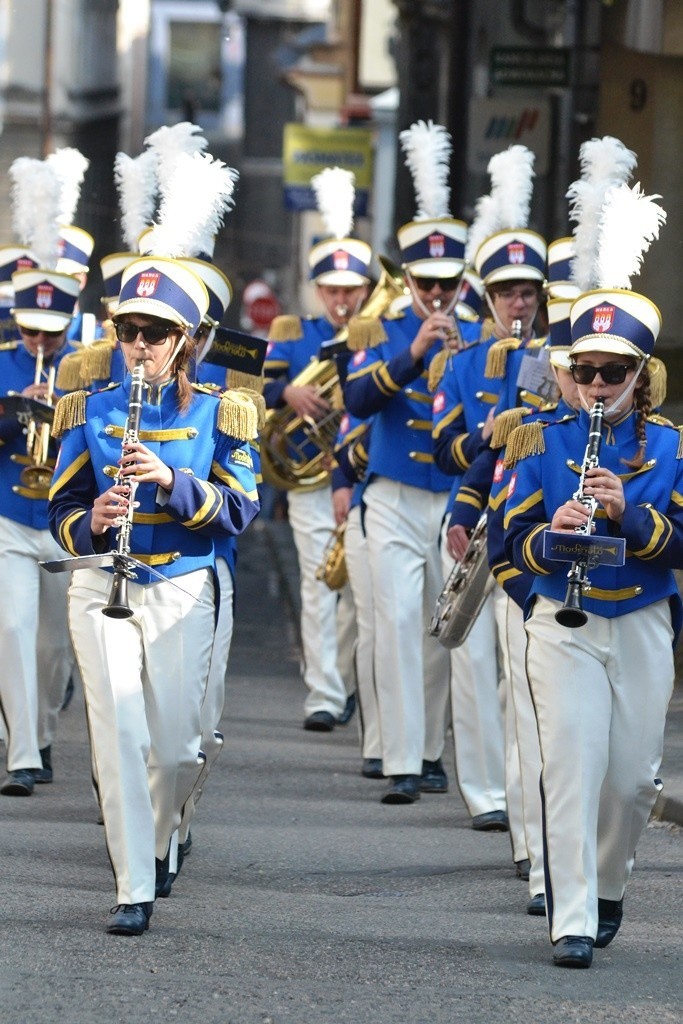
(339, 266)
(587, 670)
(145, 674)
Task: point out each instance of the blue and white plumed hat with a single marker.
(164, 288)
(74, 250)
(470, 296)
(559, 331)
(44, 300)
(338, 260)
(12, 259)
(561, 283)
(433, 243)
(609, 317)
(217, 285)
(112, 267)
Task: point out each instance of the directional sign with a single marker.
(520, 66)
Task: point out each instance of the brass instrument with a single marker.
(571, 613)
(37, 476)
(464, 592)
(296, 451)
(332, 569)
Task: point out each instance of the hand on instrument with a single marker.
(109, 508)
(37, 391)
(305, 400)
(487, 429)
(437, 327)
(607, 489)
(457, 540)
(341, 502)
(569, 516)
(145, 466)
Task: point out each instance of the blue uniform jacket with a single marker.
(351, 452)
(286, 359)
(652, 524)
(214, 488)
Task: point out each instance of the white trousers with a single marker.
(144, 681)
(36, 656)
(513, 778)
(411, 669)
(360, 581)
(312, 521)
(476, 709)
(601, 694)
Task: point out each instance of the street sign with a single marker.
(542, 68)
(308, 150)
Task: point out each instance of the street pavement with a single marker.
(305, 899)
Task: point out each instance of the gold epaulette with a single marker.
(497, 357)
(69, 412)
(96, 364)
(208, 388)
(661, 421)
(657, 371)
(259, 403)
(69, 372)
(487, 329)
(525, 440)
(365, 332)
(9, 346)
(286, 327)
(437, 368)
(239, 379)
(237, 416)
(505, 423)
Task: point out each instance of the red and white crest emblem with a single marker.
(516, 252)
(358, 358)
(603, 318)
(437, 246)
(512, 485)
(439, 402)
(147, 283)
(25, 263)
(498, 471)
(344, 424)
(44, 296)
(340, 259)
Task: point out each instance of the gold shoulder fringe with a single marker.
(239, 379)
(525, 440)
(69, 412)
(9, 346)
(658, 382)
(662, 421)
(96, 363)
(504, 424)
(237, 416)
(259, 403)
(487, 329)
(69, 372)
(497, 357)
(286, 327)
(437, 368)
(365, 332)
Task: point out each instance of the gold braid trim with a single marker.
(69, 412)
(286, 327)
(239, 379)
(69, 372)
(437, 368)
(259, 403)
(525, 440)
(365, 332)
(96, 363)
(497, 357)
(237, 416)
(504, 424)
(657, 371)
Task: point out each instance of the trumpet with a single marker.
(37, 475)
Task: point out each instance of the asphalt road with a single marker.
(305, 900)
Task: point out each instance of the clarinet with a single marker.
(571, 613)
(117, 607)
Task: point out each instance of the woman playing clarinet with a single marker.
(145, 661)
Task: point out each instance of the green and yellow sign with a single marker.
(307, 150)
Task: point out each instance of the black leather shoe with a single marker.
(433, 778)
(130, 918)
(349, 710)
(610, 913)
(187, 845)
(573, 951)
(403, 789)
(44, 774)
(68, 694)
(19, 783)
(320, 721)
(522, 869)
(372, 768)
(164, 878)
(536, 905)
(492, 821)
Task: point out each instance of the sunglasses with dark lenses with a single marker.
(448, 284)
(33, 332)
(611, 373)
(153, 334)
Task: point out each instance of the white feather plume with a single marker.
(194, 201)
(335, 192)
(36, 195)
(427, 148)
(604, 163)
(136, 183)
(70, 166)
(630, 223)
(169, 142)
(512, 173)
(484, 223)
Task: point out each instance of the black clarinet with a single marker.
(571, 613)
(117, 607)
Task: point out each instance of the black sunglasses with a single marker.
(153, 334)
(33, 332)
(611, 373)
(448, 284)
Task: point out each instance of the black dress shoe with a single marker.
(403, 789)
(349, 710)
(320, 721)
(433, 778)
(573, 951)
(19, 783)
(610, 913)
(164, 878)
(187, 845)
(536, 905)
(372, 768)
(130, 918)
(522, 869)
(492, 821)
(44, 774)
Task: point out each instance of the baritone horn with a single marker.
(464, 592)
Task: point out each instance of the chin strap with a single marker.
(617, 404)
